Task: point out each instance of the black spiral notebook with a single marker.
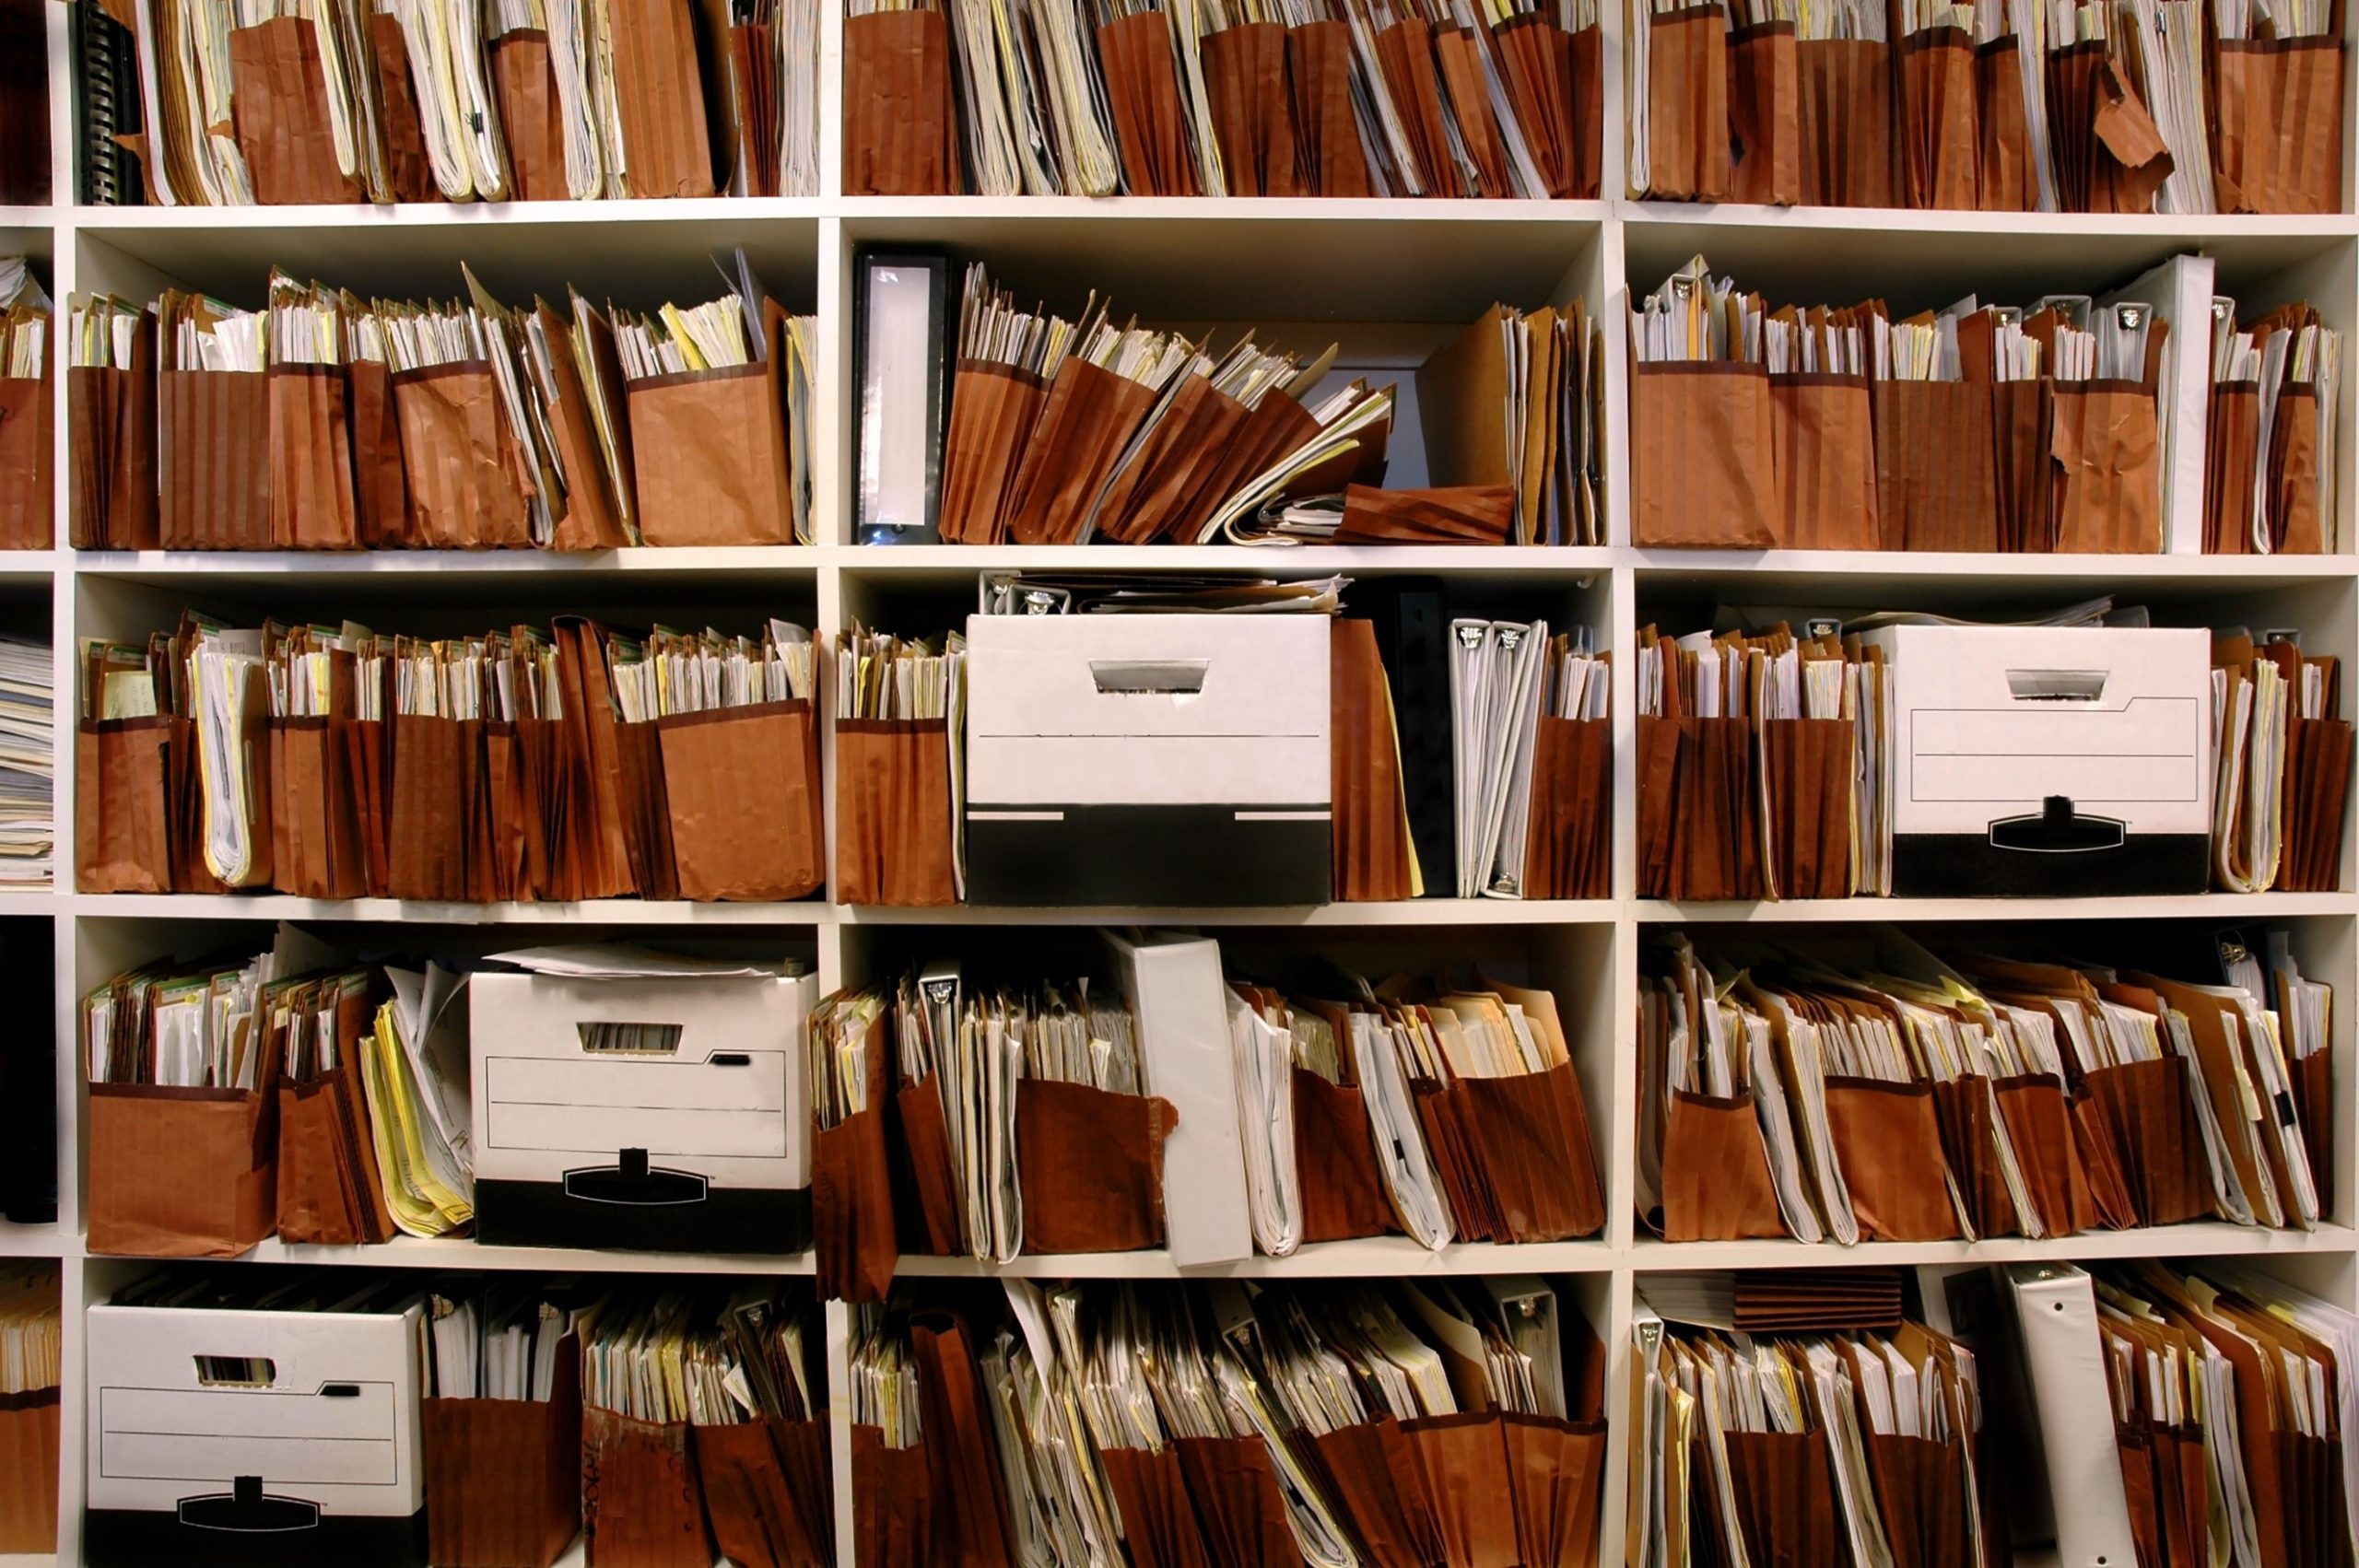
(106, 173)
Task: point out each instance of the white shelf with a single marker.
(412, 1252)
(2210, 1239)
(601, 912)
(1800, 911)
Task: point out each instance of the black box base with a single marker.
(123, 1537)
(1928, 865)
(1175, 857)
(541, 1213)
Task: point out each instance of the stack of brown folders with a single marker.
(1976, 429)
(703, 1432)
(1910, 1099)
(1363, 1422)
(1756, 776)
(2283, 772)
(2274, 387)
(2190, 106)
(331, 424)
(1059, 432)
(340, 101)
(516, 766)
(1315, 98)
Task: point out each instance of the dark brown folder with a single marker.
(504, 1477)
(1940, 120)
(893, 827)
(1372, 851)
(1845, 95)
(1824, 431)
(1703, 468)
(1318, 60)
(660, 99)
(182, 1173)
(1887, 1143)
(1688, 105)
(641, 1506)
(215, 458)
(312, 500)
(1090, 1165)
(1716, 1182)
(742, 787)
(1764, 115)
(524, 87)
(1143, 93)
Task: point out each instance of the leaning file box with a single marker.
(700, 1146)
(318, 1460)
(1148, 759)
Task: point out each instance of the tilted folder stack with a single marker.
(1882, 1093)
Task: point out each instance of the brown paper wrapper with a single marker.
(1785, 1497)
(852, 1202)
(184, 812)
(970, 1523)
(900, 122)
(1245, 79)
(2276, 123)
(992, 411)
(2109, 157)
(1170, 482)
(123, 805)
(1454, 1143)
(1342, 1191)
(1404, 54)
(760, 1518)
(2317, 786)
(1826, 461)
(2291, 501)
(1716, 1183)
(179, 1173)
(436, 779)
(1553, 88)
(1556, 1469)
(1318, 60)
(278, 101)
(1087, 419)
(1532, 1137)
(2314, 1107)
(1807, 769)
(311, 505)
(1941, 131)
(1688, 105)
(2022, 413)
(1764, 115)
(710, 452)
(1238, 1506)
(659, 99)
(1371, 829)
(409, 174)
(1441, 514)
(1459, 58)
(1569, 853)
(504, 1477)
(515, 833)
(1936, 472)
(1705, 471)
(329, 1190)
(1703, 840)
(1658, 774)
(2151, 1120)
(639, 1503)
(2107, 473)
(28, 494)
(893, 812)
(216, 459)
(468, 485)
(369, 762)
(525, 90)
(928, 1213)
(28, 1473)
(646, 811)
(1090, 1164)
(380, 486)
(1150, 1498)
(1920, 1492)
(2231, 467)
(1463, 1461)
(2039, 1126)
(1888, 1146)
(743, 788)
(1846, 109)
(1380, 1489)
(1969, 1132)
(110, 500)
(1143, 92)
(2007, 179)
(891, 1506)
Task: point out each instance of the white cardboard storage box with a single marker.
(689, 1134)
